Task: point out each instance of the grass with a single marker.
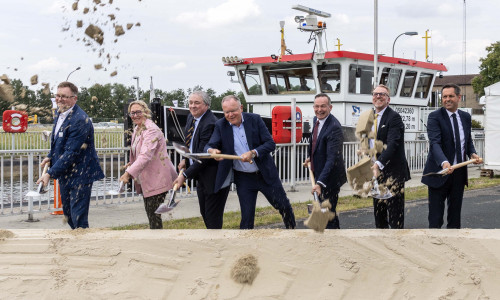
(268, 215)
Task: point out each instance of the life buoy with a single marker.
(15, 121)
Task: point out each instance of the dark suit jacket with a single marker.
(391, 132)
(207, 170)
(329, 167)
(442, 144)
(73, 158)
(258, 138)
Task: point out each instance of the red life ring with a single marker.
(15, 121)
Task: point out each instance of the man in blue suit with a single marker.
(246, 135)
(449, 133)
(325, 155)
(73, 159)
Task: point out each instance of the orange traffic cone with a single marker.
(57, 200)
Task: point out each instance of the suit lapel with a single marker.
(383, 121)
(227, 133)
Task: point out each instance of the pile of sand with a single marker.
(292, 264)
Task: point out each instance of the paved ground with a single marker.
(133, 213)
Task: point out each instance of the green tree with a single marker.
(489, 69)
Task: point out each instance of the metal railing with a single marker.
(19, 170)
(108, 138)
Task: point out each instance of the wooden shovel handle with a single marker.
(311, 175)
(45, 168)
(465, 163)
(225, 156)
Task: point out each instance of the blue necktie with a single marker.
(458, 146)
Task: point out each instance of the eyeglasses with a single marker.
(380, 94)
(64, 97)
(136, 113)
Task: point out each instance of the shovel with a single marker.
(171, 204)
(184, 151)
(40, 189)
(444, 172)
(121, 189)
(319, 217)
(375, 192)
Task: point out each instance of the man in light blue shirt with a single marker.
(246, 135)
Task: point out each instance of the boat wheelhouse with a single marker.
(347, 77)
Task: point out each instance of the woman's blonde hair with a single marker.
(145, 108)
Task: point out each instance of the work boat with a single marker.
(347, 77)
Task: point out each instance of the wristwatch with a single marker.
(253, 153)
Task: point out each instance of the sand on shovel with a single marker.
(318, 219)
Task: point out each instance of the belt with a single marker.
(258, 172)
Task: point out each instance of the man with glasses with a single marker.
(390, 167)
(325, 155)
(72, 158)
(246, 135)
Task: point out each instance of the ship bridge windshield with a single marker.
(251, 80)
(424, 85)
(329, 77)
(390, 77)
(360, 79)
(289, 79)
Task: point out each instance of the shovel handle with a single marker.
(227, 156)
(45, 168)
(465, 163)
(311, 175)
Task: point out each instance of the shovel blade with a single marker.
(163, 208)
(32, 194)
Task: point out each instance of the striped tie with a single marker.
(190, 132)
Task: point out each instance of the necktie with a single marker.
(458, 146)
(375, 125)
(190, 132)
(314, 140)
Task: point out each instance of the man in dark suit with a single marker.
(199, 127)
(73, 159)
(390, 167)
(246, 135)
(448, 145)
(325, 155)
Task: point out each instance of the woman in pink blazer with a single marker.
(149, 165)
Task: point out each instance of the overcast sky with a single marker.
(180, 43)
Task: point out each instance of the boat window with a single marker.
(423, 86)
(360, 79)
(408, 83)
(289, 79)
(251, 81)
(329, 77)
(390, 78)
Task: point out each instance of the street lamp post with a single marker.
(67, 78)
(404, 33)
(137, 91)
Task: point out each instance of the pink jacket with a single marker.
(151, 163)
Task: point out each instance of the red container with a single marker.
(282, 125)
(15, 121)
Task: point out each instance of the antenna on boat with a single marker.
(311, 23)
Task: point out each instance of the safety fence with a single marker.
(106, 138)
(19, 170)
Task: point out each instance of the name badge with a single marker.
(60, 134)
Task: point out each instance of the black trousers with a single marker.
(247, 187)
(390, 213)
(212, 205)
(151, 205)
(452, 192)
